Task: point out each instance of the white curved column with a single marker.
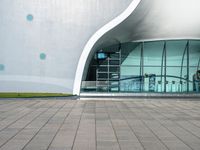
(88, 47)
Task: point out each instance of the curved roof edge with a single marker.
(92, 41)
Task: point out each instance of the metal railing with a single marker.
(139, 86)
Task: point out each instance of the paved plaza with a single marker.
(136, 124)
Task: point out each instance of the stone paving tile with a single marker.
(43, 138)
(178, 129)
(23, 111)
(85, 137)
(10, 106)
(126, 137)
(23, 137)
(64, 139)
(143, 124)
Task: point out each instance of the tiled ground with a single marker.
(102, 125)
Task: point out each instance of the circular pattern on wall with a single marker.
(2, 67)
(29, 17)
(43, 56)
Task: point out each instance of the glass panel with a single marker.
(130, 68)
(176, 79)
(130, 79)
(153, 53)
(133, 58)
(152, 66)
(126, 71)
(194, 66)
(152, 81)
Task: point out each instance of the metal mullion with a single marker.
(165, 64)
(188, 65)
(141, 66)
(119, 74)
(161, 75)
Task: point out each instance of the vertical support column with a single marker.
(161, 74)
(165, 65)
(164, 58)
(142, 67)
(120, 61)
(188, 65)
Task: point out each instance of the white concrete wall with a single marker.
(60, 29)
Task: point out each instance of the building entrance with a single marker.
(159, 66)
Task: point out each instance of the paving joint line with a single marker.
(13, 110)
(78, 126)
(25, 125)
(43, 125)
(180, 125)
(20, 117)
(169, 129)
(112, 125)
(61, 125)
(130, 127)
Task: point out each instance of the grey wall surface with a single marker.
(59, 29)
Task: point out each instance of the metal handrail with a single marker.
(156, 76)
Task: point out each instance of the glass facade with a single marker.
(159, 66)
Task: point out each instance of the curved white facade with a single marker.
(57, 29)
(151, 21)
(90, 44)
(46, 45)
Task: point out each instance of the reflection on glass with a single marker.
(159, 66)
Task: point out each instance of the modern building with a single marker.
(100, 46)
